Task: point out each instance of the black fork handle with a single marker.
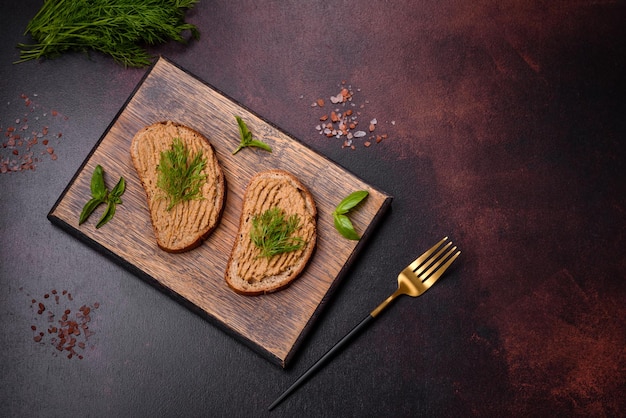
(324, 359)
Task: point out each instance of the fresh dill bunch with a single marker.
(180, 175)
(272, 233)
(118, 28)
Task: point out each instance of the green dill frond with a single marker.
(118, 28)
(273, 234)
(180, 175)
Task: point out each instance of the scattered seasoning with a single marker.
(60, 324)
(27, 139)
(342, 121)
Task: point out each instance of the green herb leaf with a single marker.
(118, 28)
(351, 201)
(119, 189)
(180, 175)
(341, 221)
(88, 209)
(115, 199)
(98, 189)
(272, 233)
(100, 194)
(345, 227)
(107, 215)
(246, 138)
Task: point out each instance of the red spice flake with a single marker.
(70, 333)
(17, 156)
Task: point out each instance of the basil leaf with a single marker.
(119, 188)
(246, 138)
(345, 227)
(351, 201)
(98, 189)
(88, 209)
(107, 215)
(100, 194)
(259, 144)
(246, 135)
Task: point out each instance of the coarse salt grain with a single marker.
(23, 160)
(342, 124)
(337, 99)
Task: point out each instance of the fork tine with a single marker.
(419, 260)
(431, 260)
(434, 263)
(435, 272)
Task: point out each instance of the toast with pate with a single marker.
(248, 271)
(188, 223)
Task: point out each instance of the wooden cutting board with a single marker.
(274, 324)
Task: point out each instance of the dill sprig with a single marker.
(272, 233)
(180, 175)
(119, 28)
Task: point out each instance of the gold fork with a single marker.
(413, 281)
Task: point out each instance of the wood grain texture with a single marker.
(271, 324)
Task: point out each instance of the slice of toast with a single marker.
(188, 223)
(248, 272)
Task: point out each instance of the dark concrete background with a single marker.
(505, 125)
